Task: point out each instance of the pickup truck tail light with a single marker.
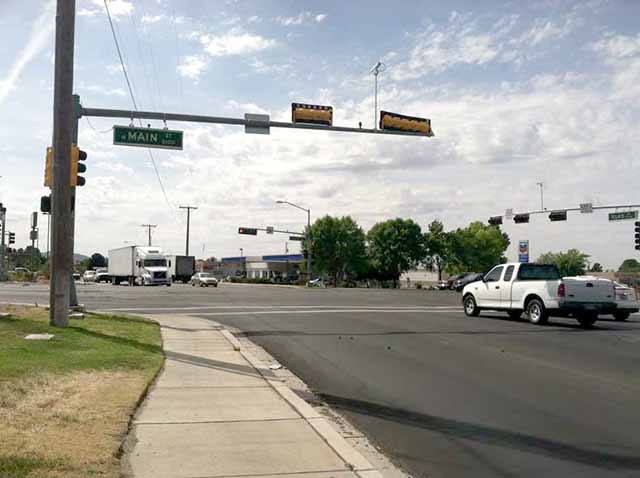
(561, 290)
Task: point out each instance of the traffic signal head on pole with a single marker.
(45, 204)
(495, 220)
(521, 218)
(637, 235)
(410, 124)
(48, 168)
(77, 167)
(12, 238)
(558, 216)
(314, 114)
(248, 231)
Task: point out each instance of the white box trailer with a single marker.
(138, 265)
(181, 268)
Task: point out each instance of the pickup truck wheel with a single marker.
(621, 316)
(536, 312)
(470, 306)
(514, 314)
(587, 320)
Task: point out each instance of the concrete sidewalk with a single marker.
(216, 412)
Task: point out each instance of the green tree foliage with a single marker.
(630, 265)
(437, 247)
(395, 246)
(337, 247)
(97, 260)
(596, 267)
(570, 263)
(476, 248)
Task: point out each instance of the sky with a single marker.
(517, 92)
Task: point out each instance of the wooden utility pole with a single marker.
(188, 208)
(149, 226)
(61, 262)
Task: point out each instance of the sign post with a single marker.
(523, 251)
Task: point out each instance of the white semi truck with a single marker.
(181, 268)
(139, 265)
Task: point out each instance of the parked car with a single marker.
(102, 275)
(203, 279)
(626, 301)
(539, 292)
(89, 276)
(468, 279)
(21, 270)
(77, 276)
(442, 285)
(452, 280)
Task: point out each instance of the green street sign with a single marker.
(147, 137)
(623, 216)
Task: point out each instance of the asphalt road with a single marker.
(443, 395)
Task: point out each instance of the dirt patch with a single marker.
(72, 423)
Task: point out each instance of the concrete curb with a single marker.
(230, 337)
(336, 442)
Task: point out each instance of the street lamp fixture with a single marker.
(308, 211)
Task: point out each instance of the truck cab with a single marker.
(152, 266)
(539, 292)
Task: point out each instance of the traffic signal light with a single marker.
(315, 114)
(45, 204)
(495, 220)
(48, 168)
(638, 235)
(77, 167)
(248, 230)
(12, 238)
(410, 124)
(521, 218)
(558, 216)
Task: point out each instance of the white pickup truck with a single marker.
(539, 292)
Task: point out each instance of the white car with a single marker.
(626, 300)
(204, 279)
(89, 276)
(539, 292)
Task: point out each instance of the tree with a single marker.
(97, 260)
(436, 247)
(337, 247)
(630, 265)
(570, 263)
(596, 267)
(476, 248)
(395, 246)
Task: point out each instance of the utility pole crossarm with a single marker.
(149, 227)
(188, 208)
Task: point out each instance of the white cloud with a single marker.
(321, 17)
(246, 107)
(235, 43)
(117, 8)
(617, 46)
(116, 68)
(152, 18)
(299, 19)
(39, 38)
(254, 19)
(192, 67)
(115, 166)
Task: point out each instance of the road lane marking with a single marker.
(324, 311)
(346, 307)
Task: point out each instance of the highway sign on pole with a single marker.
(296, 238)
(623, 216)
(256, 124)
(147, 137)
(523, 251)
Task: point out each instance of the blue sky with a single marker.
(517, 94)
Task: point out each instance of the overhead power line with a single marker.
(135, 106)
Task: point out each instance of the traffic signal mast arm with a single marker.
(497, 219)
(272, 230)
(111, 113)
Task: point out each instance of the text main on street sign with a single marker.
(623, 216)
(147, 137)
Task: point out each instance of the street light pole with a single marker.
(541, 184)
(378, 68)
(308, 211)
